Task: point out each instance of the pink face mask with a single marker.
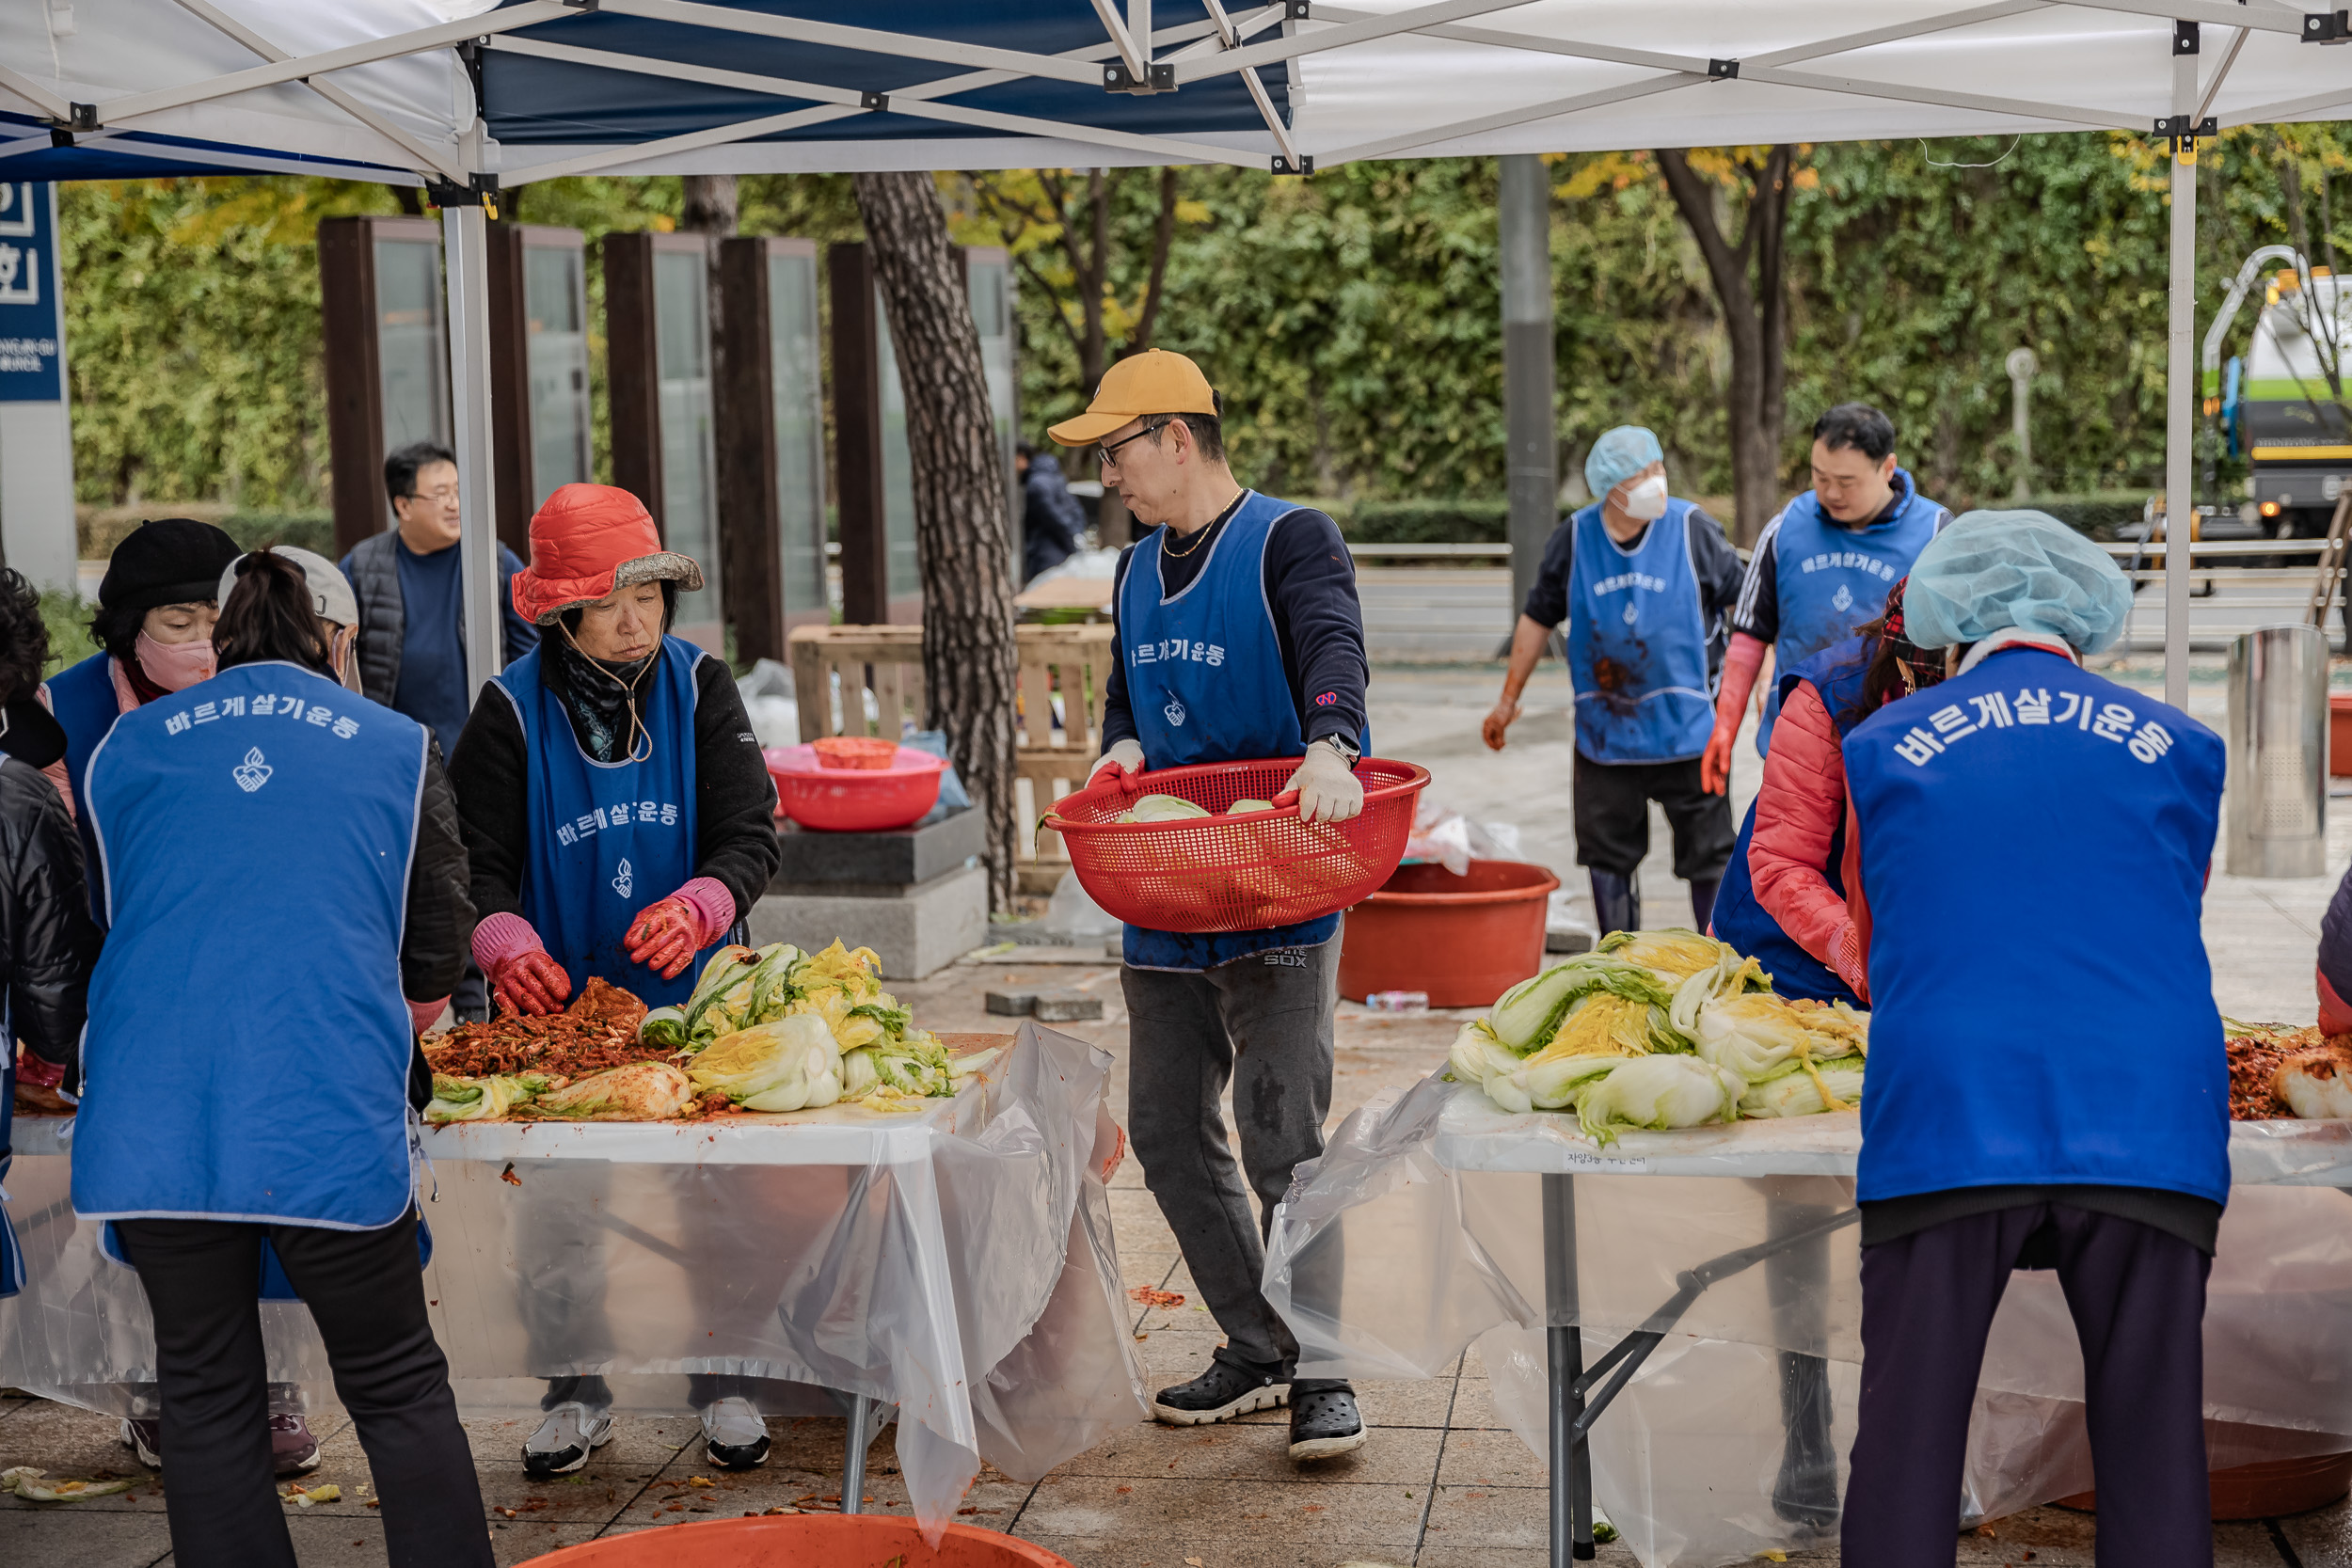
(176, 665)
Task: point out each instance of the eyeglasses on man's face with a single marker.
(1108, 453)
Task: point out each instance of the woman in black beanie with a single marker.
(154, 630)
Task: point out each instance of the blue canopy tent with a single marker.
(469, 96)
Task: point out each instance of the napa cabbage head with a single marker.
(1803, 1089)
(456, 1099)
(1477, 1055)
(796, 1049)
(1655, 1093)
(1672, 955)
(1758, 1034)
(1527, 1016)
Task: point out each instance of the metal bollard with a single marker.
(2278, 801)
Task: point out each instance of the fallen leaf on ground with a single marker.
(1144, 1296)
(329, 1493)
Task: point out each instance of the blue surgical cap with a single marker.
(1989, 571)
(1617, 456)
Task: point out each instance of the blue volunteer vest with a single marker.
(2034, 847)
(1637, 643)
(1205, 676)
(83, 701)
(1837, 675)
(1831, 579)
(608, 838)
(247, 1050)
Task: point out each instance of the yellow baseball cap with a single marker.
(1153, 382)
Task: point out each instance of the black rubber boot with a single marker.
(1616, 903)
(1703, 903)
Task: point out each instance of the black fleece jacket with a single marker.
(735, 799)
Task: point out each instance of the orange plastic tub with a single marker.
(2340, 734)
(1464, 939)
(802, 1541)
(2265, 1490)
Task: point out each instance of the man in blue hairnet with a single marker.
(1821, 567)
(2046, 1091)
(1642, 580)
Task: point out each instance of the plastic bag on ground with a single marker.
(1444, 836)
(767, 698)
(1073, 917)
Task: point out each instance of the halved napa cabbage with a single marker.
(1655, 1093)
(1794, 1092)
(795, 1050)
(635, 1091)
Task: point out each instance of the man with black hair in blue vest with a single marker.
(1821, 567)
(1240, 637)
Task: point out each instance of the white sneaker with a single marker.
(564, 1440)
(735, 1434)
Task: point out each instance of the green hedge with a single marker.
(2095, 514)
(1461, 520)
(309, 530)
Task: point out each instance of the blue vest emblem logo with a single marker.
(252, 773)
(1632, 613)
(626, 882)
(1843, 599)
(1175, 711)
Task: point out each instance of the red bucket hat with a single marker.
(589, 541)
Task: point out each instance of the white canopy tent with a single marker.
(469, 96)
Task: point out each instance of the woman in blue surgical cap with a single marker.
(1642, 580)
(2047, 1084)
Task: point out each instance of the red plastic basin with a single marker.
(854, 800)
(1464, 939)
(802, 1541)
(2340, 734)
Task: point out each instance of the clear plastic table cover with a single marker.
(956, 1262)
(1417, 1234)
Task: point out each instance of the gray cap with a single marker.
(331, 597)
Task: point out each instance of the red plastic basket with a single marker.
(1241, 873)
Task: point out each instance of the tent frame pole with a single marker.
(466, 242)
(2180, 375)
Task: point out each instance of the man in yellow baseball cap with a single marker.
(1239, 637)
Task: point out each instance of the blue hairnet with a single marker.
(1989, 571)
(1617, 456)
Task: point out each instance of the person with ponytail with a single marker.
(1784, 900)
(154, 630)
(621, 822)
(286, 896)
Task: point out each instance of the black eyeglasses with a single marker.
(1105, 454)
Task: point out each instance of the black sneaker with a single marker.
(1219, 1394)
(1324, 1423)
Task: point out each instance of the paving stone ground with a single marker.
(1442, 1484)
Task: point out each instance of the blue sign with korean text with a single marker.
(32, 335)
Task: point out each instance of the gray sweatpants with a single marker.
(1262, 1022)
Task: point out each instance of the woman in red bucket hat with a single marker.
(620, 822)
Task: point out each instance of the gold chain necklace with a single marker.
(1179, 555)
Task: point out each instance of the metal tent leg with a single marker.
(1571, 1461)
(2179, 392)
(853, 1457)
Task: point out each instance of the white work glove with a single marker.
(1329, 790)
(1126, 757)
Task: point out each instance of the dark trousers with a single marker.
(1611, 807)
(2137, 1297)
(1265, 1023)
(367, 1297)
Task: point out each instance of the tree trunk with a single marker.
(1756, 319)
(962, 533)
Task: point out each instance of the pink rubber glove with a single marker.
(1845, 956)
(665, 936)
(46, 1074)
(1741, 660)
(425, 1015)
(521, 975)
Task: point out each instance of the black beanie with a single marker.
(167, 560)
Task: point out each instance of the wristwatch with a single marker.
(1348, 753)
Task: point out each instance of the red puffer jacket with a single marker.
(1797, 815)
